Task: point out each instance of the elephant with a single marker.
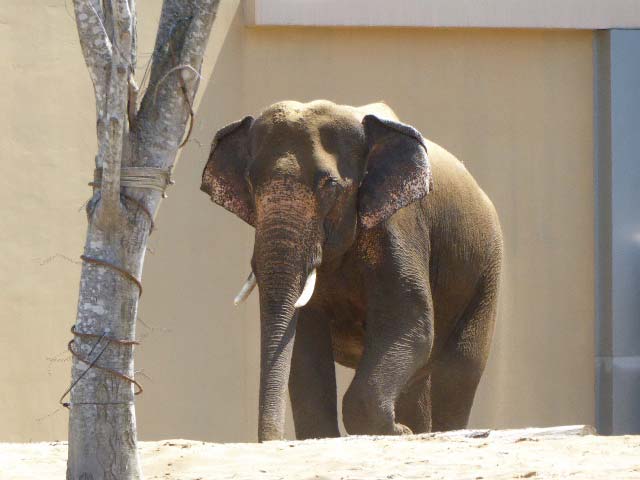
(374, 248)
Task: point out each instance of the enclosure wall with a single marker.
(516, 106)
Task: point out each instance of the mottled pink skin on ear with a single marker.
(223, 176)
(225, 195)
(401, 192)
(398, 170)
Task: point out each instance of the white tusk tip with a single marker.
(246, 290)
(307, 292)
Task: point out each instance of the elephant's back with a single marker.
(465, 239)
(457, 208)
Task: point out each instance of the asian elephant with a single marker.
(374, 248)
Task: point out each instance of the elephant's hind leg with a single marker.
(413, 407)
(457, 368)
(312, 382)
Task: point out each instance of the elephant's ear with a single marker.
(223, 176)
(398, 171)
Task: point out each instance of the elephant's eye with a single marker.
(327, 181)
(332, 182)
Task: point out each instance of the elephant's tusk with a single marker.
(246, 289)
(307, 291)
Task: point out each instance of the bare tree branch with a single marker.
(97, 52)
(195, 41)
(117, 102)
(94, 40)
(166, 106)
(134, 34)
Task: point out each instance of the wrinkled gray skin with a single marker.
(407, 250)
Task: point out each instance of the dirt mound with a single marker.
(558, 453)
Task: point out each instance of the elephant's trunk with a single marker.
(283, 260)
(277, 332)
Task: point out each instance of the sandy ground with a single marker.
(560, 453)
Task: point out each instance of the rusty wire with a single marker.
(93, 364)
(120, 270)
(143, 208)
(100, 337)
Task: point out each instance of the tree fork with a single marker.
(102, 428)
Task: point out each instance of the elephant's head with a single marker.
(307, 177)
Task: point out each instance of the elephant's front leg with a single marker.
(312, 382)
(398, 341)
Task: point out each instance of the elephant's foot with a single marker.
(364, 415)
(269, 432)
(376, 428)
(399, 429)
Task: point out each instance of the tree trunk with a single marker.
(136, 149)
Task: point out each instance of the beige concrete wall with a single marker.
(516, 106)
(577, 14)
